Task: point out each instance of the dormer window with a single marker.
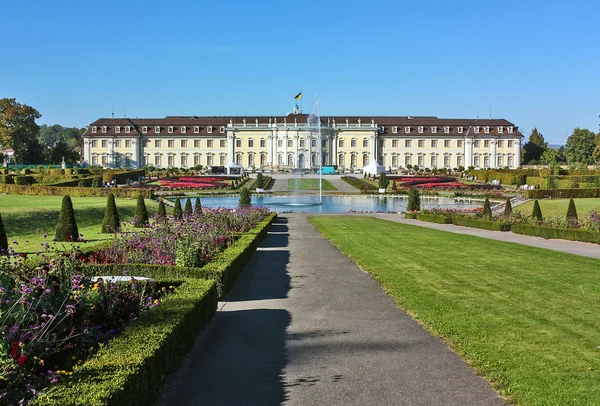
(460, 130)
(476, 129)
(127, 129)
(486, 129)
(500, 130)
(170, 129)
(196, 129)
(94, 129)
(510, 129)
(446, 129)
(157, 129)
(104, 129)
(144, 129)
(209, 129)
(183, 129)
(434, 130)
(407, 129)
(118, 129)
(222, 130)
(420, 129)
(394, 129)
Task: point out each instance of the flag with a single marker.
(298, 96)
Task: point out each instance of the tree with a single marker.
(487, 210)
(245, 198)
(596, 153)
(141, 214)
(535, 147)
(177, 212)
(549, 156)
(580, 147)
(58, 142)
(66, 229)
(383, 181)
(187, 210)
(197, 206)
(260, 180)
(507, 209)
(571, 212)
(111, 222)
(162, 211)
(414, 200)
(3, 239)
(537, 211)
(18, 129)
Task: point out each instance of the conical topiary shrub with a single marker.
(141, 214)
(177, 212)
(414, 200)
(487, 210)
(3, 239)
(187, 210)
(111, 222)
(537, 211)
(245, 199)
(571, 211)
(197, 206)
(507, 209)
(162, 210)
(66, 229)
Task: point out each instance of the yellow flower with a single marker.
(95, 286)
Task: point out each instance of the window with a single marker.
(459, 143)
(324, 143)
(196, 159)
(447, 129)
(421, 161)
(365, 159)
(209, 143)
(476, 130)
(313, 159)
(476, 161)
(486, 129)
(183, 144)
(500, 161)
(510, 143)
(104, 161)
(118, 129)
(510, 161)
(486, 161)
(510, 130)
(407, 130)
(222, 160)
(196, 143)
(341, 160)
(500, 130)
(221, 143)
(144, 129)
(394, 129)
(434, 161)
(421, 143)
(353, 143)
(395, 161)
(460, 130)
(433, 143)
(290, 143)
(171, 143)
(196, 129)
(127, 129)
(353, 160)
(251, 160)
(94, 160)
(365, 142)
(486, 143)
(476, 144)
(238, 142)
(500, 143)
(341, 143)
(209, 129)
(302, 143)
(446, 161)
(407, 160)
(446, 143)
(127, 143)
(104, 143)
(157, 129)
(222, 129)
(280, 143)
(170, 129)
(156, 143)
(104, 129)
(459, 160)
(406, 143)
(250, 143)
(394, 143)
(94, 129)
(117, 143)
(263, 160)
(184, 160)
(157, 160)
(420, 129)
(146, 159)
(183, 129)
(434, 130)
(313, 143)
(263, 143)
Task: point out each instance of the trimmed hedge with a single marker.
(434, 218)
(412, 216)
(121, 177)
(359, 184)
(562, 193)
(560, 233)
(131, 193)
(480, 223)
(506, 178)
(132, 368)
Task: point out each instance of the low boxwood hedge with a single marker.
(412, 216)
(359, 183)
(434, 218)
(562, 193)
(560, 233)
(480, 223)
(41, 190)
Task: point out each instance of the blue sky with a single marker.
(536, 63)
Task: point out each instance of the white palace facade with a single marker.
(292, 142)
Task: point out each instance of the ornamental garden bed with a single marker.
(196, 182)
(468, 221)
(438, 182)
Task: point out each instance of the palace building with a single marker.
(297, 140)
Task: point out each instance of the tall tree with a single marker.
(596, 153)
(535, 147)
(59, 141)
(580, 147)
(18, 129)
(66, 229)
(549, 156)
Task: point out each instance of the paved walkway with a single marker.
(305, 326)
(571, 247)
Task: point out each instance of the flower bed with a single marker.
(438, 182)
(195, 182)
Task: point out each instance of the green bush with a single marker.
(487, 210)
(177, 212)
(412, 216)
(245, 197)
(66, 229)
(562, 193)
(507, 209)
(120, 176)
(3, 239)
(111, 222)
(414, 200)
(572, 211)
(42, 190)
(537, 211)
(97, 181)
(187, 210)
(197, 206)
(572, 234)
(8, 180)
(361, 185)
(383, 181)
(260, 181)
(162, 211)
(24, 180)
(141, 214)
(434, 218)
(468, 221)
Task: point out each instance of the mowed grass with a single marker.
(558, 208)
(309, 184)
(526, 318)
(22, 215)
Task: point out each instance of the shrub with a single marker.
(97, 181)
(141, 214)
(8, 180)
(26, 171)
(3, 239)
(393, 185)
(359, 184)
(187, 210)
(572, 211)
(507, 209)
(383, 181)
(111, 222)
(162, 211)
(414, 200)
(562, 193)
(487, 210)
(550, 182)
(245, 199)
(197, 206)
(260, 180)
(177, 212)
(572, 234)
(81, 183)
(468, 221)
(537, 211)
(66, 229)
(412, 216)
(434, 218)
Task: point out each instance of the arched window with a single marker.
(290, 159)
(250, 160)
(263, 160)
(365, 159)
(341, 160)
(353, 161)
(280, 159)
(238, 159)
(313, 159)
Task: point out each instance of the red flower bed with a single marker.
(192, 182)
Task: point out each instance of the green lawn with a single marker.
(558, 207)
(526, 318)
(309, 184)
(22, 215)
